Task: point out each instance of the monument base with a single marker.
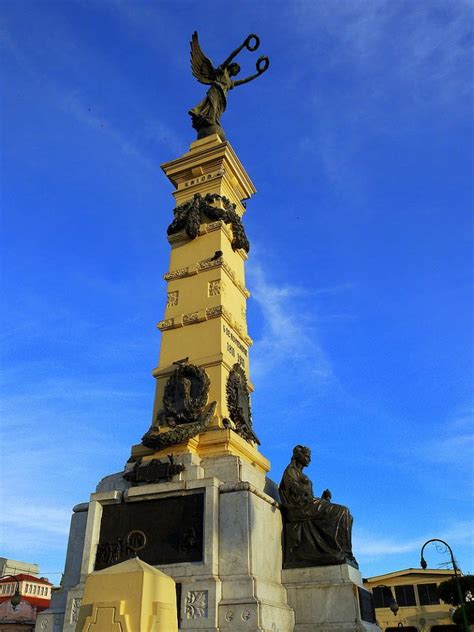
(227, 568)
(224, 553)
(329, 598)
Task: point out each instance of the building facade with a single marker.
(416, 593)
(35, 590)
(35, 594)
(13, 567)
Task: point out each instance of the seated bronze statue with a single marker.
(317, 532)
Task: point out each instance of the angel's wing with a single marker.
(201, 65)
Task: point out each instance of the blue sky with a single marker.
(359, 141)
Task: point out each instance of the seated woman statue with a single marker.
(316, 531)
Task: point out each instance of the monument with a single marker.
(193, 505)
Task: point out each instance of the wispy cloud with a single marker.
(287, 331)
(75, 102)
(450, 444)
(152, 27)
(75, 106)
(403, 62)
(415, 44)
(37, 517)
(369, 545)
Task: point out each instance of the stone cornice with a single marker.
(203, 266)
(209, 157)
(192, 318)
(208, 227)
(243, 486)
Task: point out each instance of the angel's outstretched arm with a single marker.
(246, 80)
(247, 45)
(260, 70)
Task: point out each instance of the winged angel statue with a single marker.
(206, 115)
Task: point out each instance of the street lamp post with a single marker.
(393, 605)
(465, 624)
(15, 600)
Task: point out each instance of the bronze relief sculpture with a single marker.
(188, 217)
(317, 532)
(238, 402)
(184, 413)
(207, 113)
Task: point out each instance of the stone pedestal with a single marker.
(329, 598)
(236, 586)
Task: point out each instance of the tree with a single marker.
(448, 592)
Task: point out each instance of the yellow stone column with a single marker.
(205, 316)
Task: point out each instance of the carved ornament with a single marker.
(172, 299)
(166, 324)
(196, 604)
(188, 319)
(208, 264)
(176, 274)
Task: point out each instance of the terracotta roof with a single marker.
(40, 604)
(24, 577)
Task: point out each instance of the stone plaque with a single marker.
(161, 531)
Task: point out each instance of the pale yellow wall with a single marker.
(439, 614)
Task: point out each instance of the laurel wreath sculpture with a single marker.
(188, 217)
(158, 440)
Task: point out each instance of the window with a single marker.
(382, 597)
(405, 595)
(428, 594)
